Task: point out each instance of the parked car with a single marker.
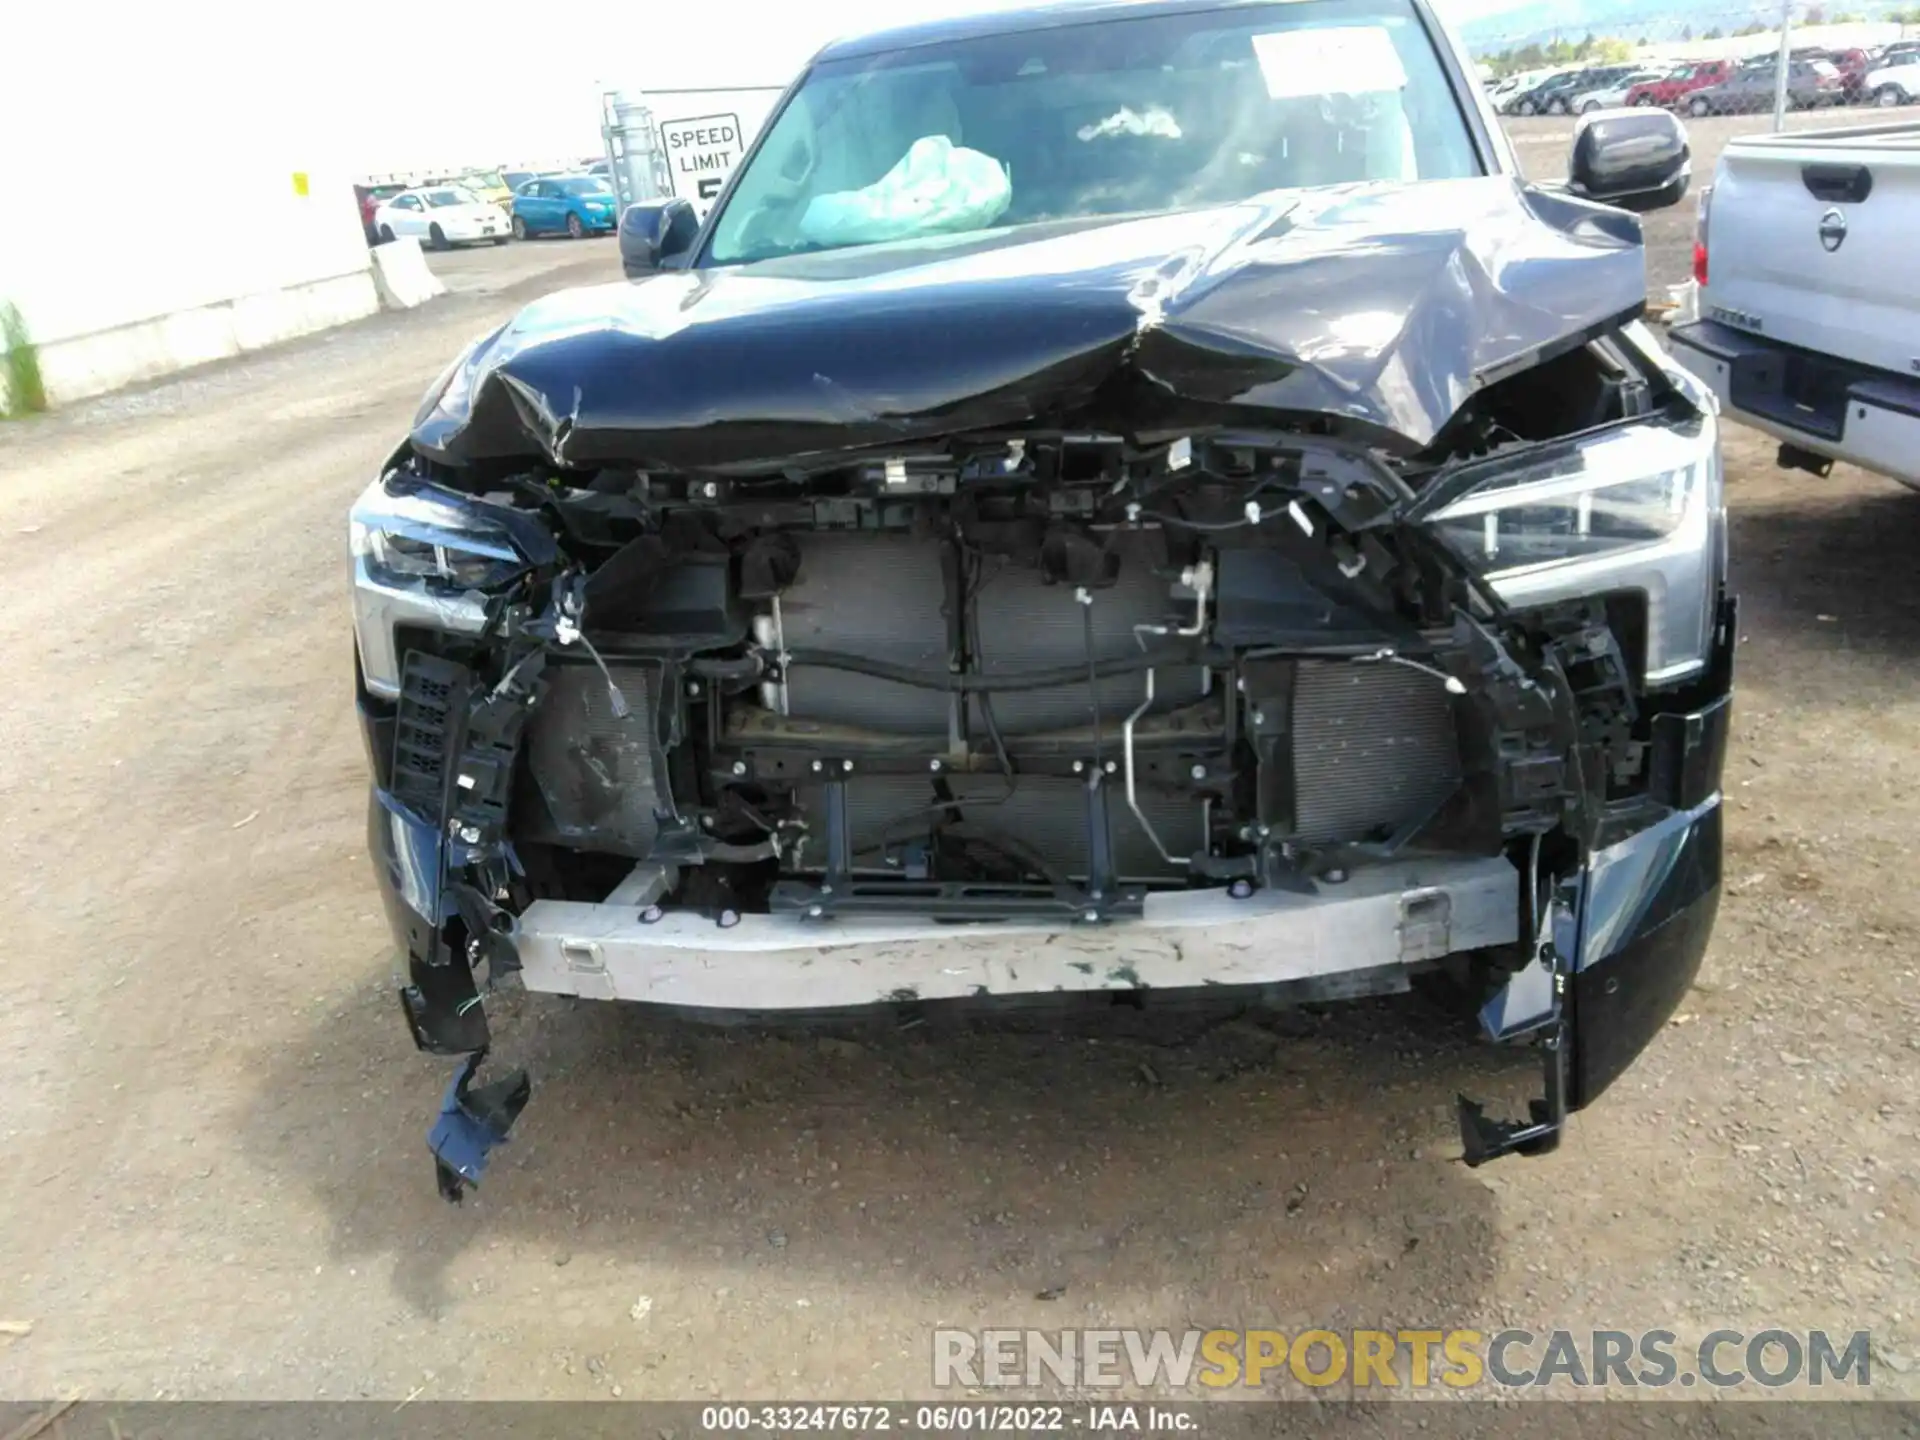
(876, 606)
(488, 186)
(1853, 65)
(1556, 96)
(1673, 87)
(370, 198)
(443, 216)
(1895, 81)
(574, 205)
(1807, 295)
(1610, 95)
(1751, 88)
(516, 178)
(1549, 89)
(1505, 90)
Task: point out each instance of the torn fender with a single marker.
(473, 1121)
(1621, 938)
(1383, 305)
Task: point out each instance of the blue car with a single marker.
(574, 204)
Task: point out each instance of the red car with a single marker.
(371, 197)
(1853, 66)
(1669, 89)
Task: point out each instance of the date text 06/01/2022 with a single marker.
(949, 1419)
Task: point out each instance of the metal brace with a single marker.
(1534, 1003)
(1101, 879)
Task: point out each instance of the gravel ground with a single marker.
(214, 1180)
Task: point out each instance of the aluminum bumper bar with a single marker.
(1388, 915)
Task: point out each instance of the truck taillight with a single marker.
(1700, 237)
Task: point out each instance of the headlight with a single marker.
(423, 558)
(1636, 509)
(404, 534)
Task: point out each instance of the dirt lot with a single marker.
(214, 1178)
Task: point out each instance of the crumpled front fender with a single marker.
(1650, 906)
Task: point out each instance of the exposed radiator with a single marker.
(883, 597)
(879, 597)
(1026, 624)
(1374, 747)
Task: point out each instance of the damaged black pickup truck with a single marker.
(1123, 498)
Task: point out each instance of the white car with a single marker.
(1896, 82)
(442, 216)
(1612, 96)
(1504, 90)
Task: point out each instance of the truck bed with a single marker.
(1811, 242)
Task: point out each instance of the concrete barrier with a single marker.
(400, 270)
(93, 364)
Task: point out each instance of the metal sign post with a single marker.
(1785, 66)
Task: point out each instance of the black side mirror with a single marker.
(1635, 159)
(657, 234)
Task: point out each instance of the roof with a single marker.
(1013, 20)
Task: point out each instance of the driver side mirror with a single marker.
(1635, 159)
(657, 234)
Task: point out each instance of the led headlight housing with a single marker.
(1637, 508)
(404, 534)
(426, 557)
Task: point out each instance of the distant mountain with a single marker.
(1541, 21)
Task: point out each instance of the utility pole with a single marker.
(1780, 76)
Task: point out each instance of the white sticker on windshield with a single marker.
(1345, 60)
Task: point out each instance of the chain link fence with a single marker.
(1758, 67)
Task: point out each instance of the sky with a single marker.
(377, 85)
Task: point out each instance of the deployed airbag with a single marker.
(938, 187)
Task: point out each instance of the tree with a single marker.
(1713, 34)
(1816, 15)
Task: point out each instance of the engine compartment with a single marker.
(1030, 676)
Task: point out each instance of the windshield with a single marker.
(440, 199)
(484, 180)
(586, 185)
(1113, 117)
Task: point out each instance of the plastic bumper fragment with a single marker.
(473, 1120)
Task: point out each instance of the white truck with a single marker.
(1809, 295)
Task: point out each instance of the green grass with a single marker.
(26, 391)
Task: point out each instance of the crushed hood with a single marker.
(1383, 306)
